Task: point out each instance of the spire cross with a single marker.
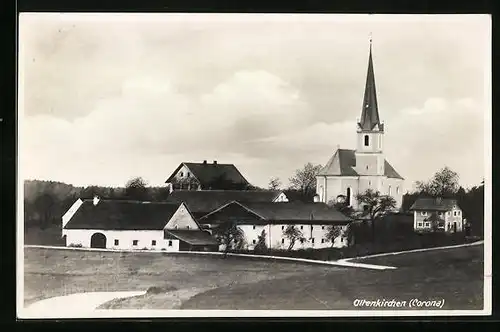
(370, 39)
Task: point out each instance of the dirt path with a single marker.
(74, 305)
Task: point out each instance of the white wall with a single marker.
(182, 220)
(281, 198)
(274, 236)
(125, 238)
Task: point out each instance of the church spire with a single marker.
(369, 114)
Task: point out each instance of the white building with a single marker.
(437, 214)
(311, 219)
(116, 224)
(349, 172)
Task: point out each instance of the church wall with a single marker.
(396, 184)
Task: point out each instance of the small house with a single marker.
(437, 215)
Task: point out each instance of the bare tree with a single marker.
(375, 205)
(293, 234)
(332, 233)
(274, 183)
(304, 179)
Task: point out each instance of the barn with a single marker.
(119, 224)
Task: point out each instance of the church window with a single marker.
(369, 183)
(367, 167)
(367, 140)
(397, 190)
(390, 190)
(348, 196)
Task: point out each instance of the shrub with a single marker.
(159, 290)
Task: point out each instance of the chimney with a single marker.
(316, 198)
(215, 162)
(95, 200)
(204, 162)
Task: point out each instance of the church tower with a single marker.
(370, 130)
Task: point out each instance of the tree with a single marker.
(274, 183)
(332, 233)
(45, 205)
(136, 189)
(375, 206)
(293, 234)
(443, 184)
(261, 242)
(229, 235)
(304, 179)
(342, 207)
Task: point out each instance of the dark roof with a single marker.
(290, 212)
(210, 175)
(343, 162)
(193, 237)
(433, 204)
(122, 215)
(201, 202)
(369, 114)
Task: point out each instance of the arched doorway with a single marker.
(98, 240)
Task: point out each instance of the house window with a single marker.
(175, 226)
(322, 240)
(301, 240)
(454, 213)
(419, 224)
(282, 241)
(253, 226)
(424, 213)
(282, 227)
(117, 242)
(301, 227)
(253, 241)
(135, 242)
(341, 240)
(322, 227)
(458, 213)
(188, 227)
(312, 240)
(367, 140)
(153, 242)
(188, 175)
(182, 174)
(427, 224)
(448, 213)
(440, 213)
(169, 243)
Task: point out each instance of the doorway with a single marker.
(98, 240)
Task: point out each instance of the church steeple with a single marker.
(369, 114)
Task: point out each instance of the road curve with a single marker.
(74, 305)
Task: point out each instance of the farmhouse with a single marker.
(119, 224)
(206, 176)
(202, 202)
(311, 219)
(349, 172)
(437, 214)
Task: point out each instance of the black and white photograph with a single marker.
(253, 165)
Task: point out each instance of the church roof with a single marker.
(369, 114)
(342, 163)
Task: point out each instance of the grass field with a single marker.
(196, 282)
(52, 272)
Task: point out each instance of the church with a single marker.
(349, 172)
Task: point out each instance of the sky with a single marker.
(107, 97)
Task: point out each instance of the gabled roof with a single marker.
(288, 212)
(122, 215)
(201, 202)
(193, 237)
(434, 204)
(342, 163)
(213, 175)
